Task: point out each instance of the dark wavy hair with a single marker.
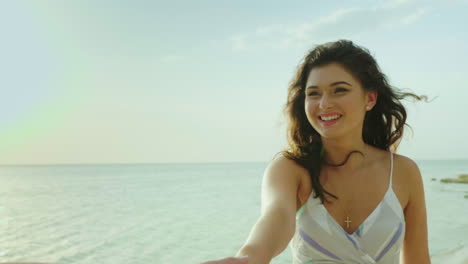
(383, 124)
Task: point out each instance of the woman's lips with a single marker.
(329, 122)
(330, 114)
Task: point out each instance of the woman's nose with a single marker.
(325, 102)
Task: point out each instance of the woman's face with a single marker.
(335, 102)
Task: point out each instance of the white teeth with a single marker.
(328, 118)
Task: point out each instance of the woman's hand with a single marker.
(231, 260)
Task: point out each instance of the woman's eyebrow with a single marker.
(332, 84)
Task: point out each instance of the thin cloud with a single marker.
(410, 19)
(341, 23)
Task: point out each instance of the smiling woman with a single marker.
(339, 104)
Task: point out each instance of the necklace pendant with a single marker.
(347, 221)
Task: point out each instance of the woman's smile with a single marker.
(330, 121)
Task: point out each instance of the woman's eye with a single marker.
(341, 90)
(337, 90)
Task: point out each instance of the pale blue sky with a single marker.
(205, 81)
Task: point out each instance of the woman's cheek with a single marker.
(309, 109)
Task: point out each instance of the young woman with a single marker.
(339, 193)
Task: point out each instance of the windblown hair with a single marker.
(383, 125)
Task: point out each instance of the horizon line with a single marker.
(127, 163)
(172, 163)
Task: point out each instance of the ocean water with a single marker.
(172, 213)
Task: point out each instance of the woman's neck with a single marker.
(336, 153)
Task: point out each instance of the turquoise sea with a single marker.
(172, 213)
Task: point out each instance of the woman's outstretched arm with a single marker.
(277, 222)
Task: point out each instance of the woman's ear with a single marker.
(371, 99)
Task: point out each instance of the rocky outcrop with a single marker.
(462, 178)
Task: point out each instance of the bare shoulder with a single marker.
(283, 164)
(409, 175)
(280, 184)
(405, 162)
(408, 168)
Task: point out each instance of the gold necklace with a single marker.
(343, 209)
(347, 220)
(347, 213)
